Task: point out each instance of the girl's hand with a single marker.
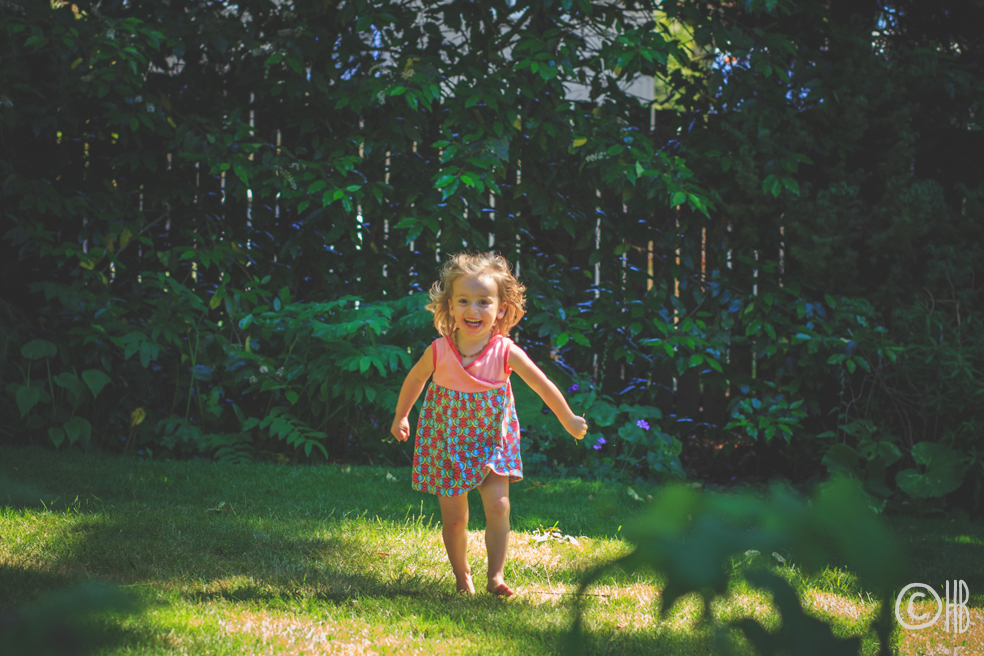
(400, 428)
(577, 427)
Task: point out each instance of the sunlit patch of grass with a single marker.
(835, 608)
(289, 632)
(941, 638)
(749, 603)
(308, 560)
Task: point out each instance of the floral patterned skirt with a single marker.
(461, 435)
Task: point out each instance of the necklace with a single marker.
(454, 336)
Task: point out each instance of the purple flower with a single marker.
(643, 424)
(573, 388)
(597, 447)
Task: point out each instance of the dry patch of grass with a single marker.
(935, 639)
(828, 606)
(289, 633)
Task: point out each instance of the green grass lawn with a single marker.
(277, 559)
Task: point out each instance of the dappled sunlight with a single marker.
(52, 544)
(553, 556)
(367, 558)
(835, 606)
(295, 562)
(754, 605)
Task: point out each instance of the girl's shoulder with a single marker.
(442, 348)
(442, 343)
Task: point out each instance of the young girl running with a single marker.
(468, 434)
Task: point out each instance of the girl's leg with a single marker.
(454, 530)
(495, 498)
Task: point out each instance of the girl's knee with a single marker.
(455, 523)
(497, 507)
(454, 518)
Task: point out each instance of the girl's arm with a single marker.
(538, 381)
(411, 389)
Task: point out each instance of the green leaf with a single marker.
(944, 473)
(27, 397)
(147, 353)
(68, 380)
(78, 429)
(217, 297)
(444, 180)
(632, 434)
(76, 390)
(56, 435)
(39, 348)
(841, 459)
(602, 413)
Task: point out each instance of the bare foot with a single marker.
(464, 585)
(499, 589)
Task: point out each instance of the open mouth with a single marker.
(473, 324)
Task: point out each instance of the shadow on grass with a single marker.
(459, 624)
(266, 536)
(254, 562)
(582, 508)
(21, 494)
(329, 569)
(66, 618)
(944, 549)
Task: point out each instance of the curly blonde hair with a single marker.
(512, 293)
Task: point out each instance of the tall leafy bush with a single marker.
(227, 209)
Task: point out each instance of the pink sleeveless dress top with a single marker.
(467, 425)
(490, 368)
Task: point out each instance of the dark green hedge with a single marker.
(219, 219)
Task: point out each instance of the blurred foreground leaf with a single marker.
(63, 622)
(691, 538)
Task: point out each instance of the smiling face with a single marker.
(475, 306)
